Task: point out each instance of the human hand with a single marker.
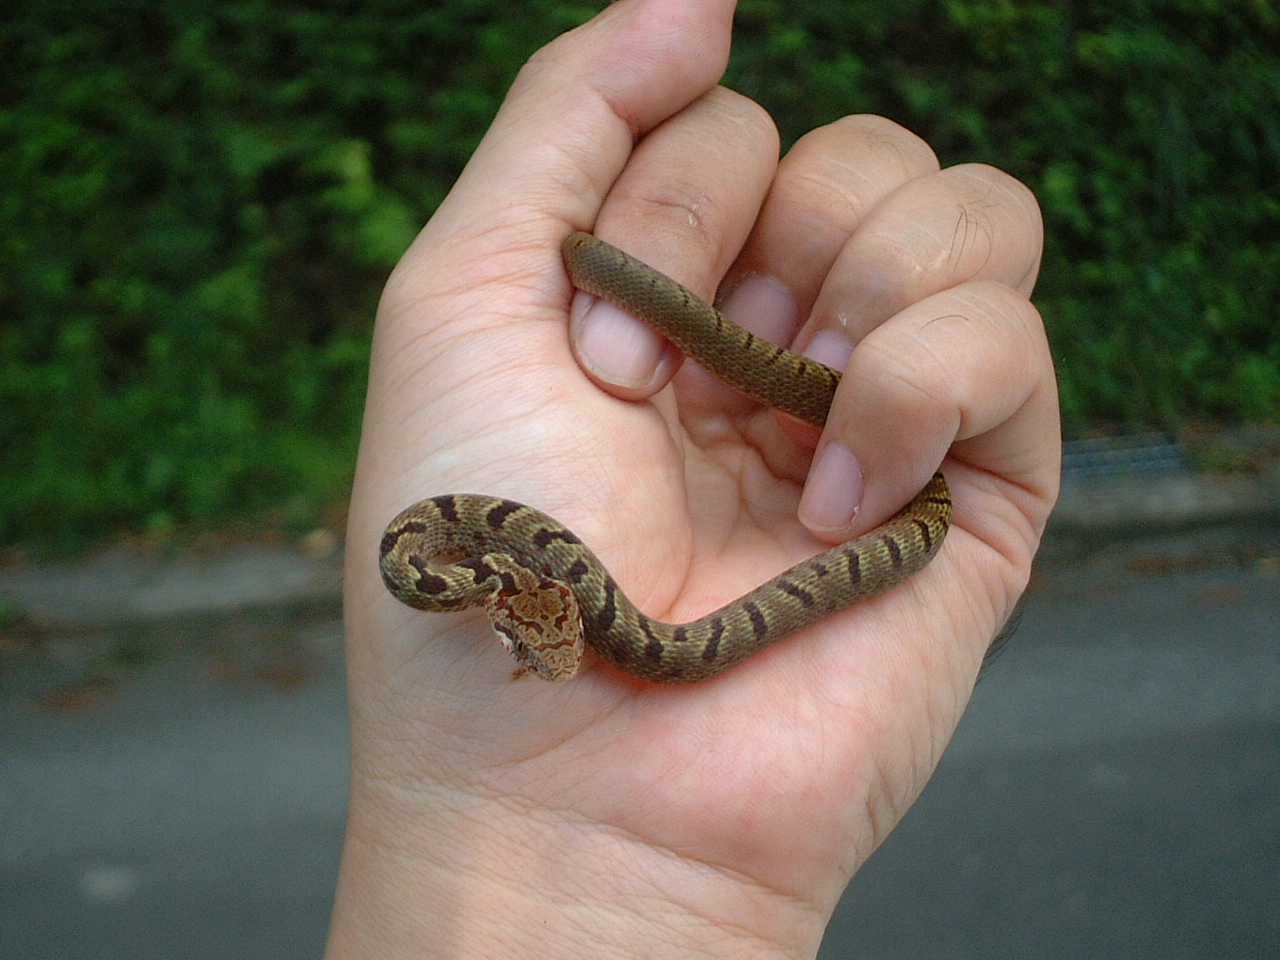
(606, 816)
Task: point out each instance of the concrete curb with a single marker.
(124, 586)
(1138, 504)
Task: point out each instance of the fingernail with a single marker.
(833, 491)
(615, 345)
(764, 306)
(831, 348)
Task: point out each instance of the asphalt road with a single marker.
(1114, 789)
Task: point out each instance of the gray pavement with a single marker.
(183, 817)
(173, 753)
(1114, 788)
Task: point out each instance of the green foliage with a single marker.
(200, 204)
(201, 201)
(1150, 131)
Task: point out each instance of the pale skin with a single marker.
(604, 817)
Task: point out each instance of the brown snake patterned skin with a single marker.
(545, 591)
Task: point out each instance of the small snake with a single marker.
(545, 591)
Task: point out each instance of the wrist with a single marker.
(468, 877)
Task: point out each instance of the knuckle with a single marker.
(994, 188)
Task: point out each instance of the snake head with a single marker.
(538, 621)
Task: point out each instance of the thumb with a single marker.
(480, 297)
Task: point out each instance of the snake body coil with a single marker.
(545, 591)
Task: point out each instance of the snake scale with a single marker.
(545, 591)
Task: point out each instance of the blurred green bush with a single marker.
(201, 200)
